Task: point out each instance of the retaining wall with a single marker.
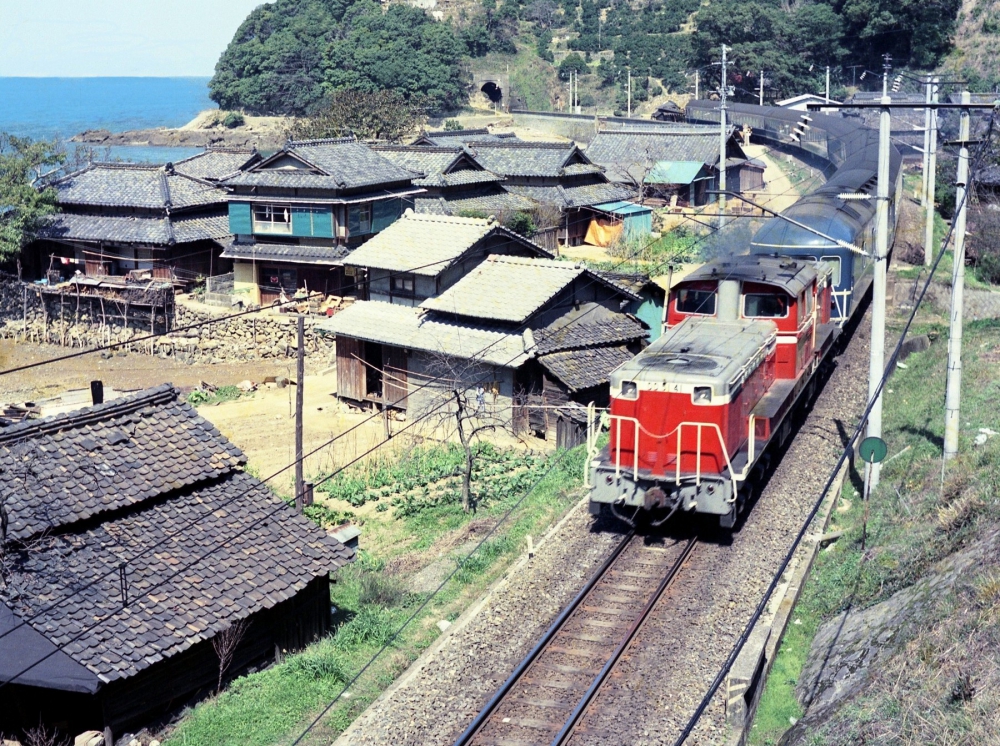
(29, 314)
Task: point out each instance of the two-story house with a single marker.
(297, 214)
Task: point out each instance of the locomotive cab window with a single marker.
(833, 261)
(696, 302)
(702, 395)
(764, 306)
(630, 390)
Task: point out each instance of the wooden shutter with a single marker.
(394, 384)
(350, 369)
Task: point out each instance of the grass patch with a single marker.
(200, 397)
(372, 601)
(916, 520)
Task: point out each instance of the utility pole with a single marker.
(886, 67)
(927, 143)
(761, 98)
(953, 392)
(630, 93)
(697, 75)
(828, 84)
(300, 374)
(876, 364)
(722, 141)
(931, 177)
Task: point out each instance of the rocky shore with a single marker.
(264, 133)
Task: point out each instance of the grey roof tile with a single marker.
(427, 244)
(217, 162)
(527, 158)
(627, 156)
(585, 333)
(573, 194)
(488, 200)
(582, 369)
(293, 253)
(402, 326)
(450, 138)
(131, 185)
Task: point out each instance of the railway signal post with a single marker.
(953, 391)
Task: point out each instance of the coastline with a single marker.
(264, 133)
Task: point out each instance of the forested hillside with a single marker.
(289, 54)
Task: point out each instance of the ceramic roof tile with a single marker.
(526, 158)
(628, 156)
(217, 162)
(581, 333)
(573, 194)
(294, 253)
(428, 244)
(131, 185)
(450, 138)
(402, 326)
(582, 369)
(489, 200)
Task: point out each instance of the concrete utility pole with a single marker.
(300, 374)
(630, 93)
(953, 392)
(722, 141)
(886, 67)
(876, 364)
(761, 98)
(828, 84)
(697, 76)
(930, 176)
(927, 143)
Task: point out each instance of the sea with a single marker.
(58, 108)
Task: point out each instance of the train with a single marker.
(696, 416)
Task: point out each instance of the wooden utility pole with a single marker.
(300, 375)
(953, 393)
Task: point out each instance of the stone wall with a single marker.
(29, 313)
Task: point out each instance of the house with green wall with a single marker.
(296, 215)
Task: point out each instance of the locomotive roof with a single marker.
(790, 274)
(698, 352)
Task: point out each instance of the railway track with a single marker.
(544, 699)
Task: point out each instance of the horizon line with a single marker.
(83, 77)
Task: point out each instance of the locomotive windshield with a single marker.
(764, 306)
(696, 301)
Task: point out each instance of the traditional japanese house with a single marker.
(298, 213)
(133, 541)
(420, 256)
(119, 218)
(532, 333)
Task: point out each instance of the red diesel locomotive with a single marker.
(693, 413)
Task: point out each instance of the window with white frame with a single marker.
(272, 218)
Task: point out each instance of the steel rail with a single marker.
(484, 715)
(567, 730)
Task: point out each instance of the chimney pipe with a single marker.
(97, 392)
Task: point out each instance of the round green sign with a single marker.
(873, 450)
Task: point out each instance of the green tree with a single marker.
(572, 63)
(368, 115)
(23, 207)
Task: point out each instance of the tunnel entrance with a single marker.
(493, 92)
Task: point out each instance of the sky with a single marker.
(83, 38)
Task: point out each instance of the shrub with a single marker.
(233, 119)
(453, 125)
(523, 223)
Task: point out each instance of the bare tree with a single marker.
(542, 12)
(225, 643)
(42, 736)
(467, 398)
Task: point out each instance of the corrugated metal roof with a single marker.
(674, 172)
(411, 328)
(624, 208)
(427, 244)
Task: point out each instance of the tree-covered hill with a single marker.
(288, 55)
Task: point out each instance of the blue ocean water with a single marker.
(47, 108)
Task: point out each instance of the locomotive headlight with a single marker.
(702, 394)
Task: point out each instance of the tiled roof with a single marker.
(582, 369)
(525, 158)
(339, 163)
(60, 470)
(139, 472)
(573, 195)
(580, 333)
(460, 137)
(130, 185)
(628, 156)
(217, 162)
(429, 244)
(156, 231)
(490, 200)
(291, 253)
(436, 166)
(402, 326)
(505, 288)
(632, 282)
